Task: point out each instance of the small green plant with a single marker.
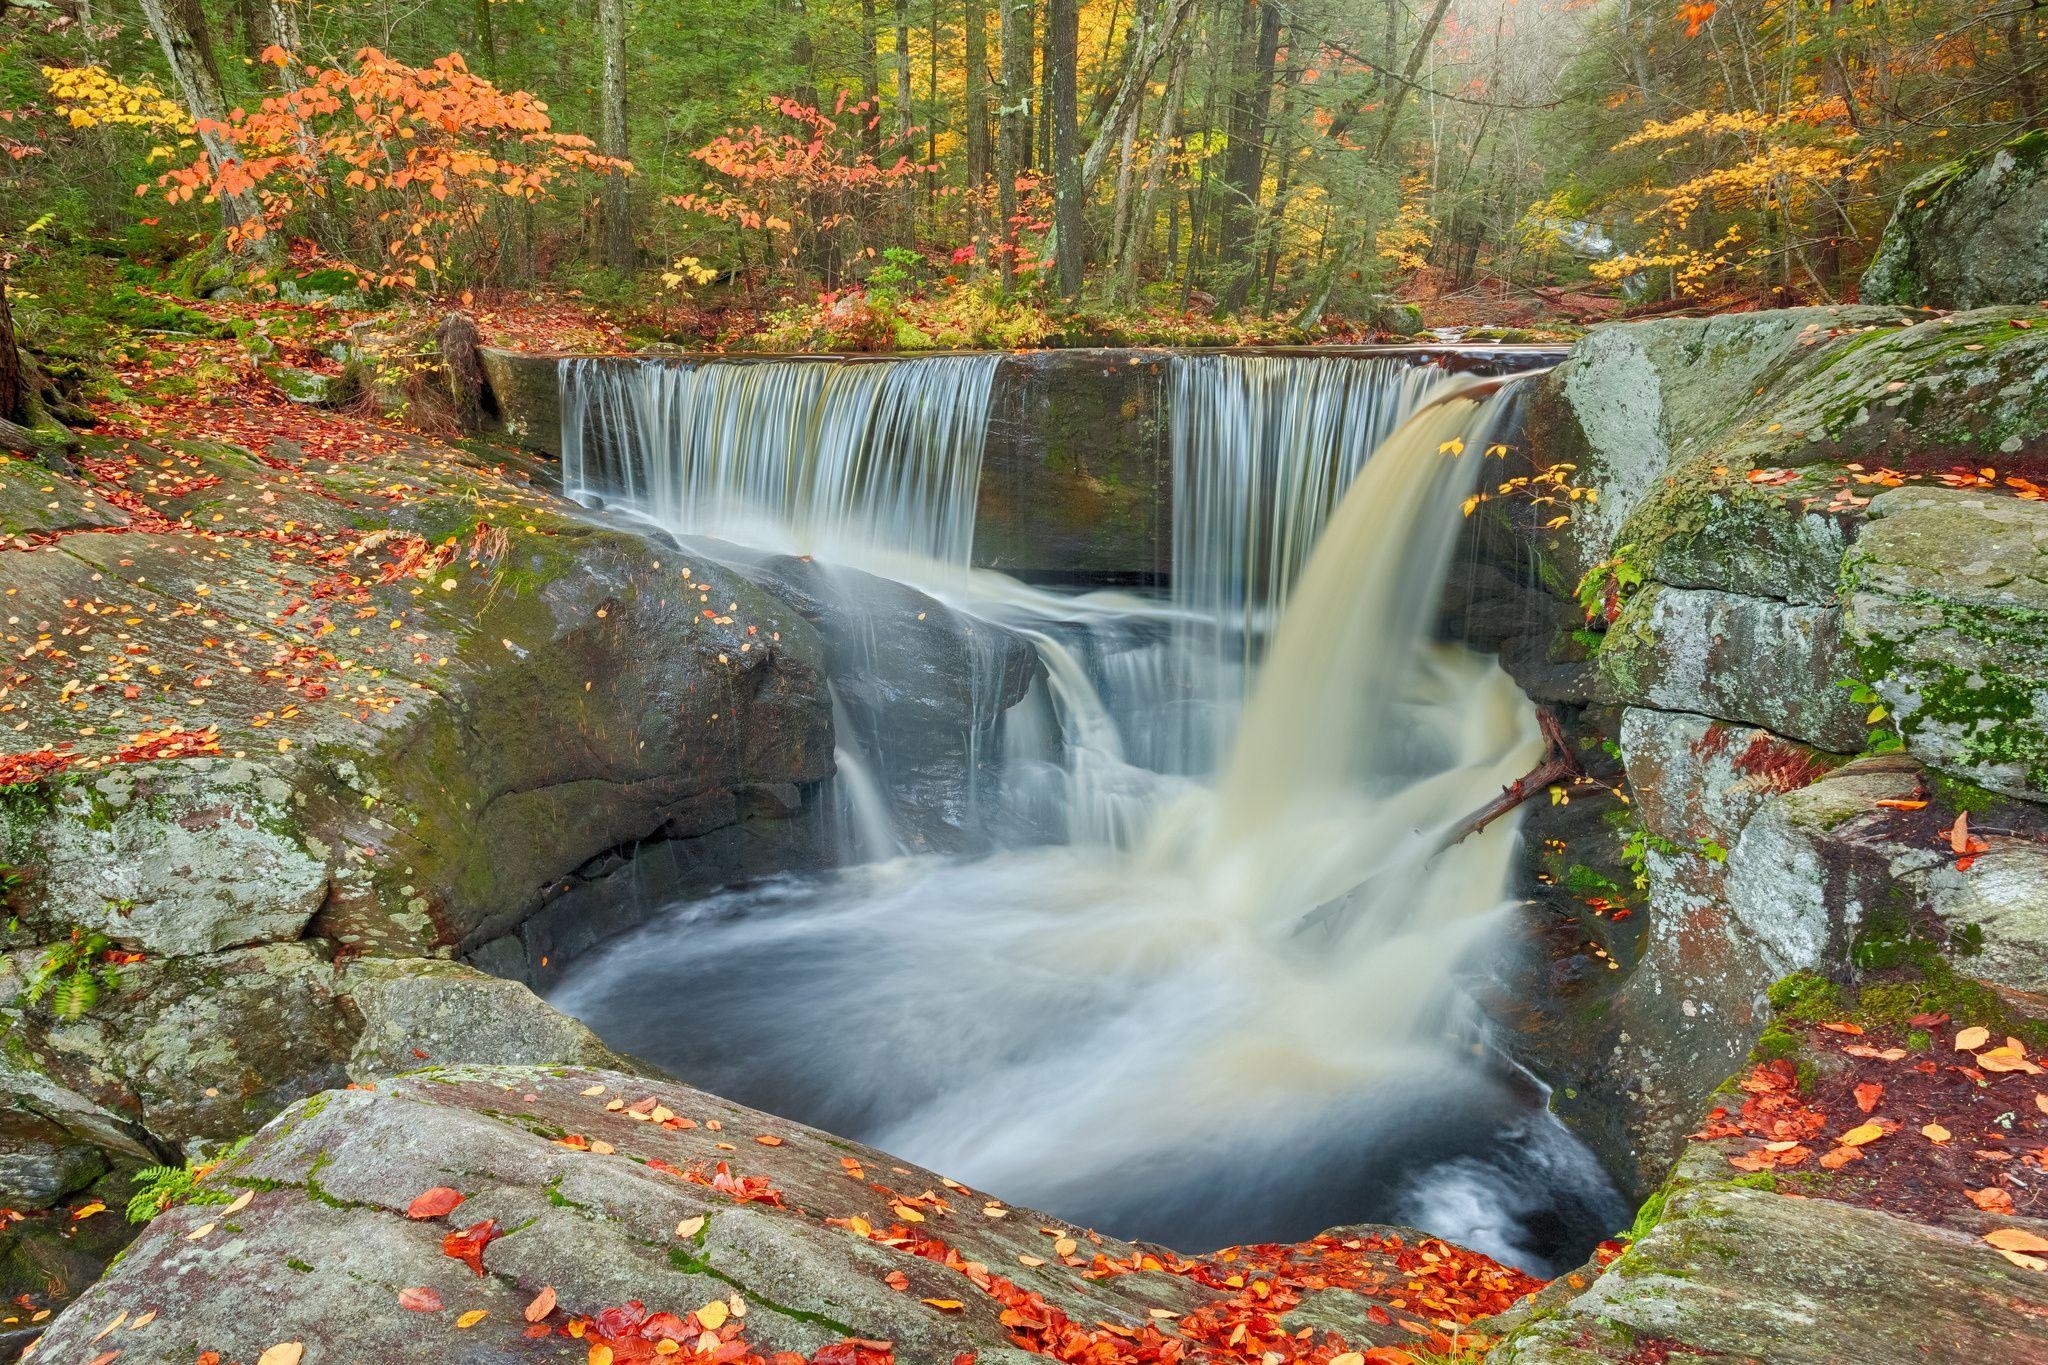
(74, 975)
(1607, 585)
(1883, 738)
(158, 1188)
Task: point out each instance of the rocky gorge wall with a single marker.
(1798, 633)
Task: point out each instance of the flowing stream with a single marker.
(1186, 964)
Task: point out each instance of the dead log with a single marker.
(1556, 765)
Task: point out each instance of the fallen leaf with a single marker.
(945, 1305)
(690, 1227)
(897, 1280)
(542, 1305)
(1033, 1261)
(1959, 833)
(1970, 1039)
(1991, 1199)
(284, 1353)
(1859, 1135)
(1853, 1030)
(1935, 1133)
(435, 1203)
(1868, 1094)
(769, 1141)
(240, 1202)
(713, 1315)
(471, 1319)
(1065, 1246)
(1903, 805)
(200, 1231)
(907, 1213)
(2016, 1239)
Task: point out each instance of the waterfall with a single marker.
(1201, 986)
(816, 455)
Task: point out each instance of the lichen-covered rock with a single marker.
(1948, 606)
(599, 1199)
(1970, 233)
(523, 394)
(1746, 1274)
(171, 858)
(1635, 401)
(1737, 658)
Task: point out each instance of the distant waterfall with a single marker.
(812, 455)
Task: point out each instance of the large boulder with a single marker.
(611, 1190)
(1969, 233)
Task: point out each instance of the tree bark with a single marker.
(486, 39)
(1555, 766)
(870, 81)
(1013, 134)
(1244, 157)
(1155, 174)
(1149, 41)
(1062, 76)
(1399, 94)
(974, 26)
(199, 87)
(618, 205)
(13, 376)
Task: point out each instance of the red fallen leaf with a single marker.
(434, 1203)
(419, 1054)
(467, 1246)
(1853, 1030)
(1867, 1095)
(421, 1298)
(1928, 1020)
(897, 1280)
(1380, 1317)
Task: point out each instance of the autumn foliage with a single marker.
(424, 156)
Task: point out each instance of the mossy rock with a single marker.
(1970, 233)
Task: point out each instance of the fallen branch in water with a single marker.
(1556, 765)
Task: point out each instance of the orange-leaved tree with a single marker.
(424, 156)
(807, 188)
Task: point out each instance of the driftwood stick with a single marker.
(1556, 765)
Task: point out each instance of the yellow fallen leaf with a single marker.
(85, 1211)
(593, 1090)
(2016, 1239)
(1861, 1134)
(1970, 1039)
(907, 1213)
(1348, 1358)
(284, 1353)
(945, 1305)
(471, 1319)
(241, 1201)
(690, 1227)
(1934, 1132)
(1065, 1246)
(145, 1320)
(1033, 1261)
(2041, 1102)
(713, 1315)
(602, 1148)
(2024, 1261)
(200, 1231)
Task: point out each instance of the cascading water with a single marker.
(1191, 1000)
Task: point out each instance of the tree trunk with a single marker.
(1013, 134)
(13, 377)
(199, 88)
(975, 28)
(870, 81)
(618, 209)
(1244, 157)
(1399, 93)
(486, 40)
(1149, 41)
(1155, 173)
(1062, 74)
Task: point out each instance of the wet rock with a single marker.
(1969, 233)
(41, 1162)
(1947, 606)
(1737, 658)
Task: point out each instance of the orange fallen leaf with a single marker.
(1991, 1199)
(769, 1141)
(1935, 1133)
(1868, 1094)
(897, 1280)
(1903, 805)
(2016, 1239)
(542, 1305)
(1854, 1030)
(1970, 1039)
(945, 1305)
